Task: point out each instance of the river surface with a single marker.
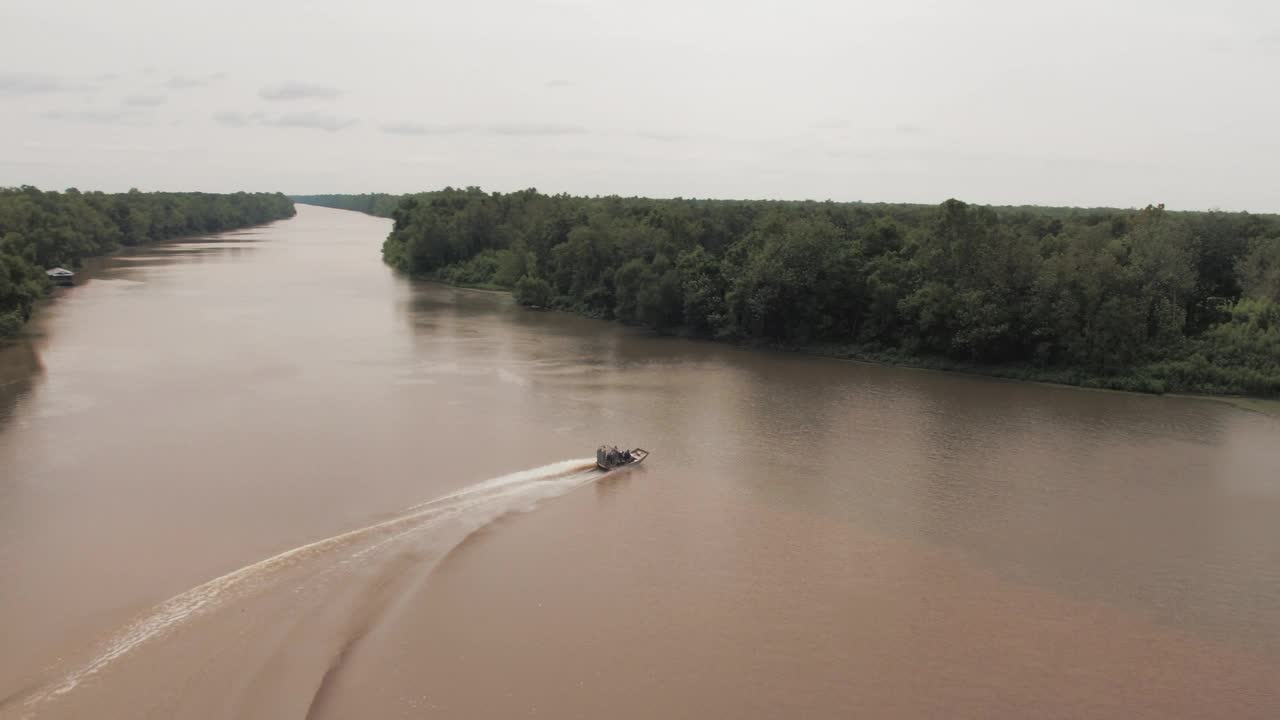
(258, 475)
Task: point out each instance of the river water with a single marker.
(258, 475)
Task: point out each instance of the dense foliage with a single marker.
(1147, 300)
(41, 230)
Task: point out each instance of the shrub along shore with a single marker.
(1149, 300)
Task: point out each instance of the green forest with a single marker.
(1148, 300)
(41, 230)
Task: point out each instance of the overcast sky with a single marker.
(1065, 103)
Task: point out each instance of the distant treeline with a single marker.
(379, 204)
(41, 230)
(1149, 300)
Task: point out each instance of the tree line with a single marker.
(41, 230)
(380, 204)
(1148, 299)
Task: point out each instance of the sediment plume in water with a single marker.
(335, 589)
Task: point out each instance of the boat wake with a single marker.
(290, 594)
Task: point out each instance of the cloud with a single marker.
(901, 128)
(93, 117)
(184, 82)
(662, 136)
(842, 154)
(534, 129)
(298, 91)
(310, 120)
(237, 119)
(145, 100)
(315, 121)
(20, 83)
(420, 129)
(498, 129)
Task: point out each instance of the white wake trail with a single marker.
(485, 500)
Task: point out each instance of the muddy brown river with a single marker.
(258, 475)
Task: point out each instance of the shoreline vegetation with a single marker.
(1146, 300)
(42, 230)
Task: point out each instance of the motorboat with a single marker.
(609, 457)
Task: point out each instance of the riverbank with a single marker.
(1123, 382)
(89, 269)
(51, 229)
(1141, 380)
(1147, 300)
(1135, 382)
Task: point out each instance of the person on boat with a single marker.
(611, 456)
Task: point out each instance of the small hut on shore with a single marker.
(61, 276)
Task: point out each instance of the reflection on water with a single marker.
(1055, 486)
(810, 538)
(20, 369)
